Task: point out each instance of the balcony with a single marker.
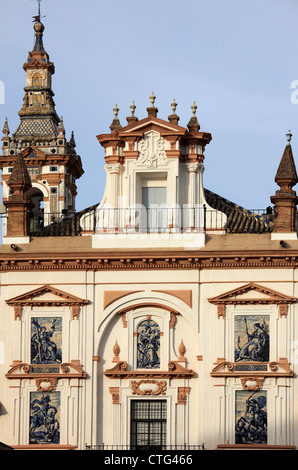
(158, 220)
(141, 223)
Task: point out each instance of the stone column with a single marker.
(112, 215)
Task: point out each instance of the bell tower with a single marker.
(51, 160)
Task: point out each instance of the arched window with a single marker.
(148, 345)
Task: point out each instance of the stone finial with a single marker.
(116, 123)
(289, 137)
(116, 111)
(72, 141)
(173, 117)
(116, 351)
(5, 129)
(152, 110)
(174, 106)
(181, 350)
(61, 129)
(193, 125)
(132, 118)
(152, 98)
(194, 108)
(133, 108)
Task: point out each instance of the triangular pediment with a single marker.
(252, 293)
(33, 152)
(152, 123)
(46, 295)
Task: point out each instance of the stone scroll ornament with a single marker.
(152, 150)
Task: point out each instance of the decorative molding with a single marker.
(181, 350)
(184, 295)
(147, 305)
(115, 392)
(181, 396)
(248, 371)
(46, 373)
(116, 351)
(175, 371)
(124, 320)
(83, 261)
(251, 383)
(110, 296)
(237, 297)
(173, 320)
(35, 298)
(46, 384)
(44, 447)
(152, 150)
(157, 387)
(113, 168)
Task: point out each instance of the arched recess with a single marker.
(117, 369)
(37, 194)
(162, 303)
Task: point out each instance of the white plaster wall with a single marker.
(208, 416)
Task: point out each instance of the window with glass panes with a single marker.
(148, 424)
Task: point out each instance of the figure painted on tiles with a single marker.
(45, 418)
(251, 338)
(46, 340)
(251, 417)
(148, 345)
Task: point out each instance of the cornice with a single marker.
(175, 371)
(52, 373)
(101, 261)
(246, 373)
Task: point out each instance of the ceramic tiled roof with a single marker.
(66, 226)
(240, 220)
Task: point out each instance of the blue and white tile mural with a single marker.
(46, 340)
(44, 418)
(148, 345)
(251, 338)
(251, 417)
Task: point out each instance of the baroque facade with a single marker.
(164, 316)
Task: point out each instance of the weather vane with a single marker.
(37, 18)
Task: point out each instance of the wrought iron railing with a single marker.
(102, 220)
(150, 220)
(175, 447)
(65, 223)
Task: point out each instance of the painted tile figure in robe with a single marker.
(251, 338)
(148, 345)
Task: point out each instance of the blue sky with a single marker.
(236, 59)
